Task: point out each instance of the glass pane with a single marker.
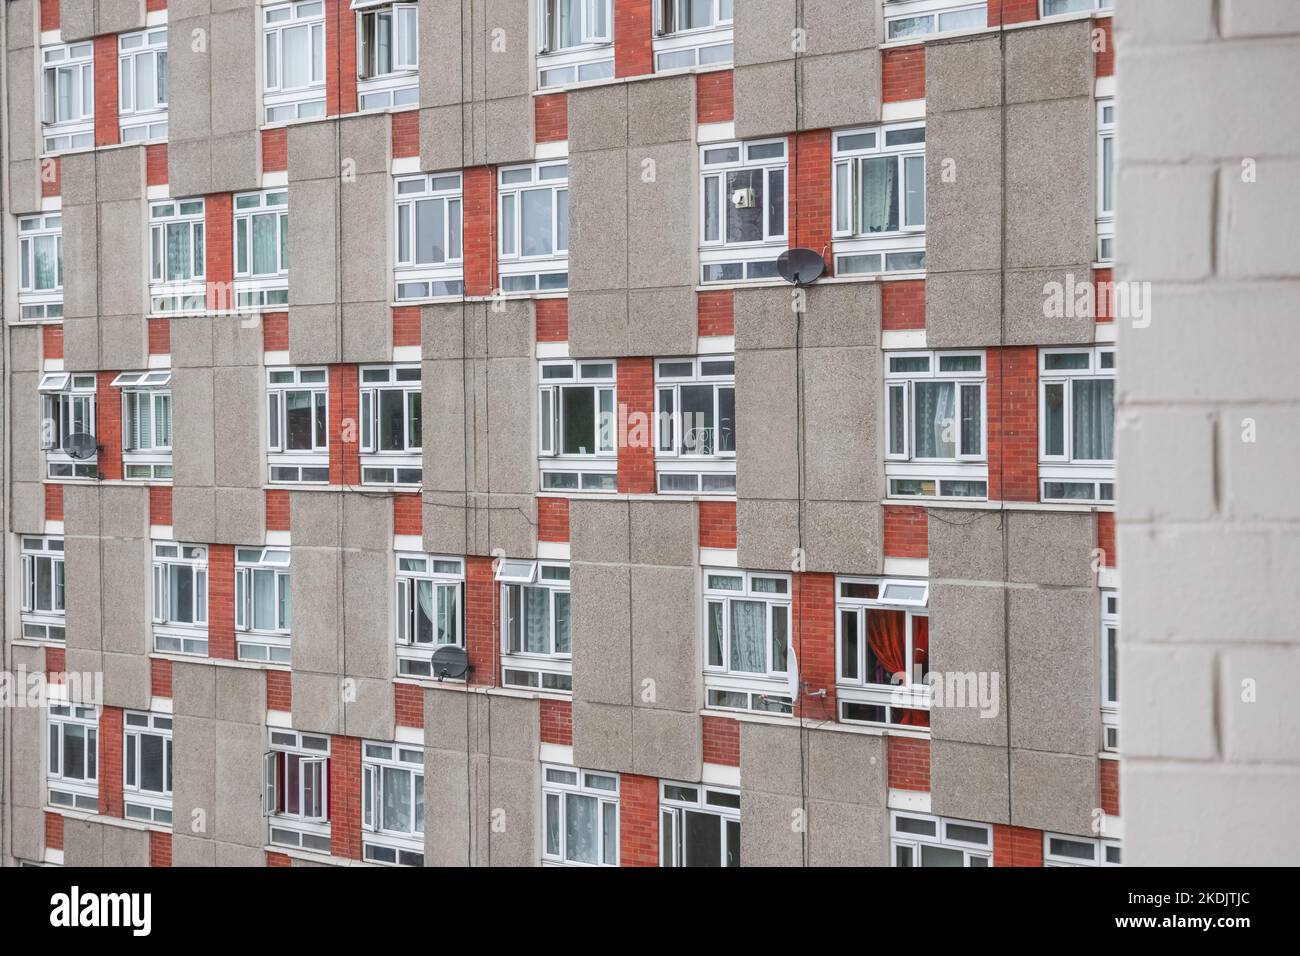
(392, 422)
(1054, 418)
(536, 222)
(715, 633)
(609, 834)
(181, 586)
(297, 57)
(430, 227)
(448, 613)
(264, 599)
(849, 645)
(780, 637)
(1093, 403)
(578, 420)
(561, 622)
(702, 839)
(537, 611)
(698, 426)
(298, 420)
(397, 800)
(423, 610)
(580, 828)
(74, 751)
(878, 194)
(745, 205)
(941, 856)
(935, 415)
(264, 245)
(151, 763)
(727, 419)
(711, 209)
(553, 824)
(972, 428)
(914, 199)
(748, 636)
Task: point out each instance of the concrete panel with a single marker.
(600, 530)
(662, 532)
(367, 331)
(194, 428)
(962, 309)
(1049, 62)
(446, 813)
(22, 26)
(120, 16)
(665, 623)
(602, 634)
(126, 589)
(969, 781)
(313, 247)
(661, 111)
(194, 514)
(441, 134)
(123, 240)
(127, 679)
(234, 31)
(83, 843)
(368, 649)
(124, 847)
(27, 463)
(964, 210)
(842, 834)
(80, 257)
(968, 637)
(1050, 152)
(767, 532)
(1051, 791)
(25, 348)
(240, 516)
(842, 536)
(513, 787)
(598, 119)
(194, 689)
(1055, 698)
(317, 615)
(237, 766)
(842, 89)
(190, 96)
(27, 511)
(315, 519)
(841, 400)
(123, 339)
(966, 545)
(236, 161)
(27, 836)
(24, 185)
(510, 439)
(240, 695)
(767, 837)
(1032, 311)
(508, 727)
(769, 758)
(238, 393)
(963, 74)
(764, 97)
(317, 702)
(23, 143)
(444, 434)
(603, 736)
(1051, 548)
(192, 851)
(766, 423)
(665, 743)
(598, 220)
(27, 727)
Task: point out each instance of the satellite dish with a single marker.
(450, 661)
(800, 266)
(81, 446)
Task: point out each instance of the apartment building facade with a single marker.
(343, 333)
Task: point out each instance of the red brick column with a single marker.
(1017, 846)
(909, 763)
(219, 250)
(551, 118)
(277, 509)
(408, 705)
(813, 637)
(1108, 774)
(902, 74)
(344, 426)
(715, 97)
(907, 531)
(408, 515)
(902, 305)
(634, 38)
(721, 740)
(1012, 389)
(715, 312)
(552, 519)
(718, 524)
(557, 722)
(345, 797)
(480, 240)
(110, 761)
(279, 691)
(107, 130)
(221, 601)
(552, 320)
(160, 848)
(160, 677)
(1003, 12)
(340, 58)
(108, 426)
(636, 408)
(810, 171)
(638, 820)
(481, 640)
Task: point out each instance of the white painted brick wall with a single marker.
(1209, 430)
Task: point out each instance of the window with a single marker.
(392, 804)
(72, 771)
(1109, 670)
(68, 97)
(177, 258)
(262, 248)
(295, 790)
(534, 211)
(695, 433)
(882, 652)
(921, 840)
(690, 33)
(1105, 180)
(1052, 8)
(294, 61)
(429, 596)
(67, 418)
(579, 817)
(577, 422)
(879, 200)
(1077, 424)
(1061, 850)
(430, 257)
(747, 641)
(297, 424)
(934, 441)
(43, 583)
(142, 85)
(263, 612)
(906, 19)
(147, 424)
(147, 767)
(535, 628)
(698, 825)
(742, 215)
(390, 425)
(575, 41)
(180, 598)
(40, 261)
(388, 54)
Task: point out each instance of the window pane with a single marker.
(745, 205)
(397, 799)
(776, 202)
(1054, 418)
(537, 612)
(298, 420)
(711, 209)
(430, 227)
(780, 637)
(878, 194)
(609, 852)
(392, 423)
(748, 636)
(727, 419)
(264, 599)
(935, 416)
(181, 586)
(702, 839)
(715, 633)
(972, 429)
(74, 751)
(849, 645)
(1094, 419)
(580, 828)
(698, 426)
(561, 622)
(536, 222)
(553, 824)
(151, 763)
(914, 178)
(264, 249)
(578, 414)
(297, 57)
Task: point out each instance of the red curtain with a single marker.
(887, 636)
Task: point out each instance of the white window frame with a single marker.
(557, 791)
(445, 578)
(548, 671)
(930, 16)
(254, 290)
(675, 802)
(1095, 474)
(1106, 179)
(143, 50)
(150, 806)
(537, 272)
(705, 47)
(284, 104)
(398, 86)
(75, 131)
(37, 302)
(176, 636)
(895, 595)
(416, 281)
(755, 258)
(1109, 658)
(72, 792)
(65, 398)
(400, 466)
(858, 251)
(380, 763)
(766, 691)
(595, 470)
(302, 465)
(149, 460)
(974, 853)
(592, 58)
(1081, 6)
(939, 477)
(42, 623)
(1101, 851)
(188, 294)
(263, 644)
(310, 753)
(678, 468)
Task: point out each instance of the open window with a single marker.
(68, 424)
(883, 651)
(878, 198)
(43, 588)
(390, 425)
(918, 839)
(40, 266)
(392, 804)
(68, 97)
(575, 41)
(430, 597)
(388, 54)
(698, 825)
(263, 610)
(693, 33)
(295, 790)
(577, 422)
(743, 202)
(747, 640)
(147, 424)
(535, 625)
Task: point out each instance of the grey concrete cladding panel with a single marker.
(969, 781)
(91, 843)
(1055, 698)
(25, 427)
(83, 19)
(1051, 548)
(1053, 791)
(968, 641)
